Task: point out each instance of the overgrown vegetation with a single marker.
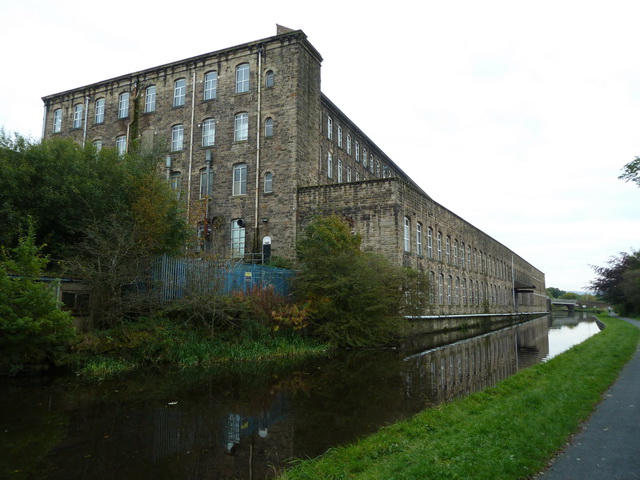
(506, 432)
(32, 327)
(355, 298)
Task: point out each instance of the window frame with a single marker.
(123, 105)
(210, 91)
(98, 117)
(238, 239)
(177, 137)
(269, 79)
(419, 250)
(407, 235)
(239, 180)
(329, 165)
(78, 111)
(243, 75)
(267, 185)
(268, 127)
(150, 94)
(206, 185)
(57, 120)
(208, 132)
(179, 92)
(241, 127)
(121, 144)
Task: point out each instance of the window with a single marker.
(177, 138)
(357, 152)
(439, 246)
(179, 92)
(97, 144)
(150, 99)
(357, 176)
(329, 165)
(268, 127)
(210, 85)
(419, 239)
(455, 252)
(348, 173)
(268, 182)
(77, 116)
(441, 288)
(208, 132)
(371, 163)
(237, 238)
(174, 183)
(348, 144)
(407, 235)
(241, 130)
(57, 120)
(448, 249)
(99, 114)
(464, 291)
(121, 144)
(429, 242)
(364, 157)
(269, 79)
(240, 179)
(206, 182)
(339, 171)
(456, 292)
(242, 78)
(378, 168)
(123, 105)
(329, 128)
(449, 290)
(339, 136)
(462, 262)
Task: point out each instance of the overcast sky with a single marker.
(516, 115)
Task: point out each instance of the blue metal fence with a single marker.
(173, 278)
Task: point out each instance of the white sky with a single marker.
(516, 115)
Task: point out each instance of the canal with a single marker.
(248, 421)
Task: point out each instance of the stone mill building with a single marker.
(254, 149)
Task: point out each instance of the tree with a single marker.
(32, 327)
(356, 297)
(631, 172)
(65, 189)
(618, 283)
(554, 292)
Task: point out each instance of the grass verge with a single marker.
(506, 432)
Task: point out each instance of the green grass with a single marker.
(506, 432)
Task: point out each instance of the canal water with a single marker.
(248, 421)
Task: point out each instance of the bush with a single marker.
(32, 327)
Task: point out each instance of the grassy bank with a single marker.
(158, 341)
(506, 432)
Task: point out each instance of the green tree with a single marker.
(618, 283)
(32, 327)
(554, 292)
(357, 298)
(65, 189)
(631, 172)
(570, 296)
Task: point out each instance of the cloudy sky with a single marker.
(516, 115)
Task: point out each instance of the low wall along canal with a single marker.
(247, 421)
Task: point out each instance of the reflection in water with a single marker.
(246, 421)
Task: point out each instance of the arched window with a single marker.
(268, 182)
(150, 99)
(241, 129)
(269, 79)
(77, 115)
(210, 85)
(177, 138)
(329, 165)
(99, 113)
(419, 239)
(242, 78)
(268, 127)
(237, 238)
(57, 120)
(179, 92)
(208, 132)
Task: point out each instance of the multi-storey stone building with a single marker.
(254, 149)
